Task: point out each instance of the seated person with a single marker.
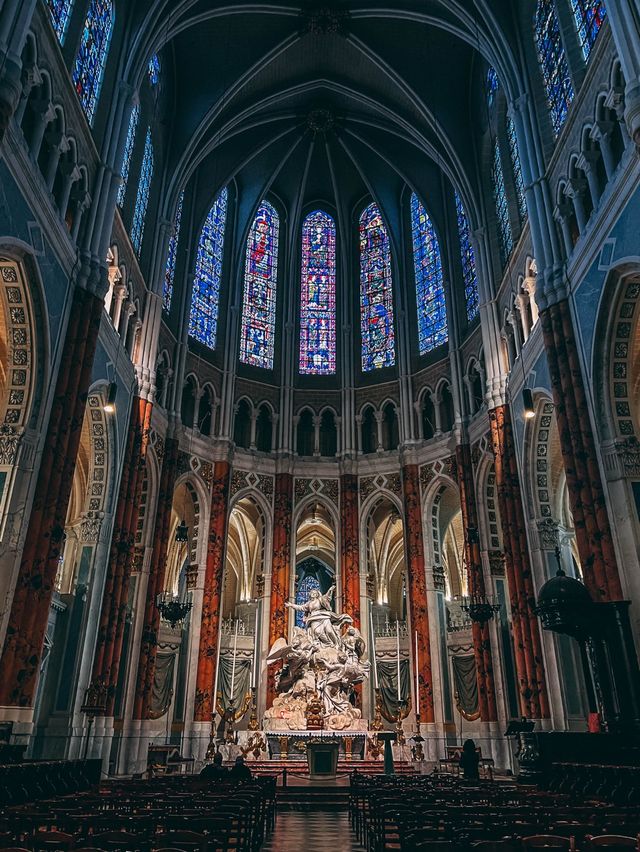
(240, 772)
(215, 771)
(470, 761)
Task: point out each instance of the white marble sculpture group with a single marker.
(323, 659)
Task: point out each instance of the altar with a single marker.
(292, 745)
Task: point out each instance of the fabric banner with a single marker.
(466, 686)
(162, 689)
(388, 682)
(241, 686)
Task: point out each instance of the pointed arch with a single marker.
(203, 317)
(88, 68)
(376, 292)
(318, 295)
(260, 289)
(553, 62)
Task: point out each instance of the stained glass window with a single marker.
(516, 165)
(553, 63)
(128, 151)
(318, 295)
(88, 69)
(589, 17)
(260, 285)
(427, 261)
(170, 270)
(60, 11)
(142, 199)
(468, 260)
(203, 318)
(153, 70)
(376, 292)
(502, 210)
(493, 84)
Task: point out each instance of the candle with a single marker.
(417, 680)
(398, 650)
(254, 679)
(233, 666)
(373, 653)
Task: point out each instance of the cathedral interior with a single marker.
(311, 334)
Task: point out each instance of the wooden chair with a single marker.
(118, 840)
(188, 840)
(51, 840)
(548, 841)
(613, 842)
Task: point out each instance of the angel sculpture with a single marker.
(321, 622)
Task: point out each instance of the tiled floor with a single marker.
(314, 831)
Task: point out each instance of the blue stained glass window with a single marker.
(203, 318)
(304, 588)
(427, 261)
(142, 199)
(60, 11)
(376, 292)
(153, 70)
(260, 287)
(553, 63)
(493, 84)
(502, 210)
(88, 69)
(318, 295)
(128, 151)
(468, 260)
(516, 165)
(589, 17)
(170, 270)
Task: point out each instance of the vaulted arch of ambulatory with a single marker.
(315, 552)
(182, 555)
(244, 558)
(386, 562)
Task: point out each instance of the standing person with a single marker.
(470, 761)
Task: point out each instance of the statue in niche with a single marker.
(320, 661)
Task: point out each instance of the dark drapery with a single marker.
(388, 682)
(241, 686)
(466, 686)
(162, 689)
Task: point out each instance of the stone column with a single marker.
(106, 662)
(577, 442)
(155, 583)
(624, 19)
(481, 637)
(27, 623)
(280, 568)
(211, 603)
(527, 646)
(417, 588)
(350, 546)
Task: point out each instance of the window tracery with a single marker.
(142, 199)
(60, 11)
(376, 292)
(553, 63)
(88, 69)
(502, 210)
(153, 70)
(589, 17)
(203, 316)
(516, 166)
(318, 295)
(260, 289)
(430, 297)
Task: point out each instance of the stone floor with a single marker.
(315, 831)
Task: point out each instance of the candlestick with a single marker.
(417, 680)
(373, 653)
(233, 665)
(254, 673)
(398, 650)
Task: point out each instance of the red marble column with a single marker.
(350, 546)
(155, 585)
(584, 482)
(29, 614)
(481, 636)
(212, 600)
(534, 702)
(106, 661)
(416, 576)
(280, 568)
